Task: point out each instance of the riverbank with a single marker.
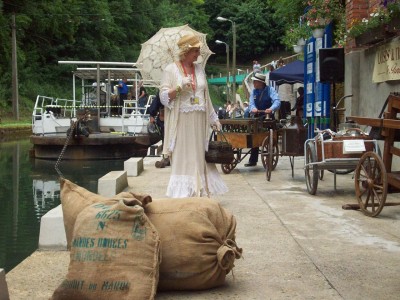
(10, 132)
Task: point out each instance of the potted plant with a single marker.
(321, 13)
(296, 35)
(382, 23)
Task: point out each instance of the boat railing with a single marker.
(131, 109)
(39, 109)
(67, 107)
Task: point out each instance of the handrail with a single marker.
(263, 68)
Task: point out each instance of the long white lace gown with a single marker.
(190, 174)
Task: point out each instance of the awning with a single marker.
(291, 73)
(222, 80)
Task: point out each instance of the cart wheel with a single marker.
(264, 151)
(342, 172)
(269, 161)
(269, 165)
(275, 156)
(266, 156)
(311, 171)
(371, 184)
(227, 168)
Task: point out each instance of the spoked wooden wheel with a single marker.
(311, 170)
(371, 184)
(342, 172)
(227, 168)
(269, 158)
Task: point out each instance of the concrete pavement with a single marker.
(295, 245)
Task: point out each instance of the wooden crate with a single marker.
(243, 140)
(334, 148)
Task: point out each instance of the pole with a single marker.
(234, 62)
(227, 72)
(15, 99)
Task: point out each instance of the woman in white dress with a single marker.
(189, 115)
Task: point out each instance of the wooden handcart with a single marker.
(374, 177)
(244, 134)
(265, 134)
(290, 135)
(327, 153)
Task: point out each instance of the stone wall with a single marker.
(368, 97)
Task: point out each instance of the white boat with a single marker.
(52, 117)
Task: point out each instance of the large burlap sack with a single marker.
(115, 253)
(198, 242)
(75, 198)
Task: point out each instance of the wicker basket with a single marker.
(334, 148)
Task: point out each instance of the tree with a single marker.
(256, 27)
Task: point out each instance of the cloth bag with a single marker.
(75, 199)
(115, 253)
(219, 152)
(198, 242)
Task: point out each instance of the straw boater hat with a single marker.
(189, 41)
(259, 77)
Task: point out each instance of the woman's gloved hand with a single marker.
(186, 83)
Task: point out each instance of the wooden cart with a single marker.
(291, 135)
(264, 133)
(328, 154)
(246, 134)
(374, 177)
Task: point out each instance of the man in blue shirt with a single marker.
(263, 100)
(123, 94)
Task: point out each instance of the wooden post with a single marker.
(14, 70)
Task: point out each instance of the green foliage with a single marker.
(380, 16)
(288, 11)
(109, 30)
(322, 12)
(294, 33)
(257, 30)
(216, 94)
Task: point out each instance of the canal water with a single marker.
(29, 188)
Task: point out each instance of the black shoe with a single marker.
(160, 164)
(250, 164)
(167, 162)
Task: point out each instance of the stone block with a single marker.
(155, 150)
(112, 183)
(52, 232)
(133, 166)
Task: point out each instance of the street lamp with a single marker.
(227, 67)
(222, 19)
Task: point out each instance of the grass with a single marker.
(8, 121)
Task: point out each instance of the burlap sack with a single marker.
(114, 254)
(198, 242)
(75, 198)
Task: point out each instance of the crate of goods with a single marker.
(334, 148)
(240, 125)
(242, 133)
